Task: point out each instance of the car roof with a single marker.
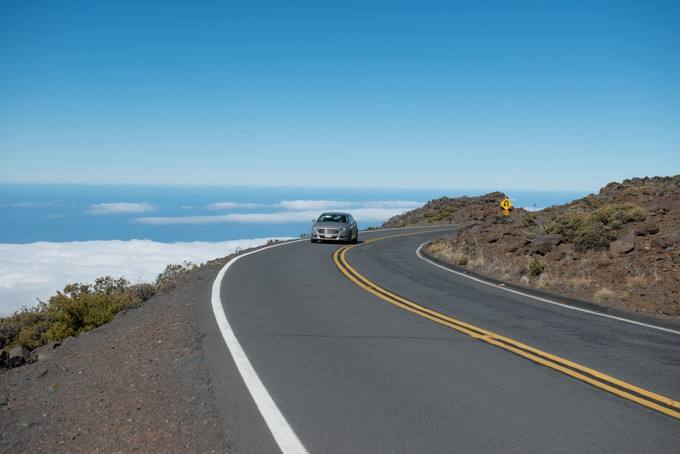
(335, 213)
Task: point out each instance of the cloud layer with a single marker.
(344, 205)
(37, 270)
(233, 205)
(291, 211)
(30, 204)
(120, 208)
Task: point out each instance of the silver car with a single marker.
(335, 227)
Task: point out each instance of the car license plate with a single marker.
(328, 235)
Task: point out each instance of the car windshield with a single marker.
(330, 217)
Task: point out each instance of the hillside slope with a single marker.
(446, 210)
(619, 248)
(140, 383)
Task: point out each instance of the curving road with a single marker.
(349, 372)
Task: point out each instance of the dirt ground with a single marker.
(619, 248)
(137, 384)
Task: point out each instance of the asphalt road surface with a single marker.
(352, 373)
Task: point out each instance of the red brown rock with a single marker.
(626, 237)
(620, 247)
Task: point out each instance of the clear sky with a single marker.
(479, 94)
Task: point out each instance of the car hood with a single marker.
(329, 225)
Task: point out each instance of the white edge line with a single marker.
(283, 433)
(545, 300)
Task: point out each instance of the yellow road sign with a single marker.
(506, 213)
(506, 204)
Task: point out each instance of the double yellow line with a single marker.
(593, 377)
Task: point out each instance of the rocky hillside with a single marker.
(619, 248)
(451, 211)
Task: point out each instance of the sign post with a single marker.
(506, 204)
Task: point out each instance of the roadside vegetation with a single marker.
(81, 307)
(595, 230)
(619, 247)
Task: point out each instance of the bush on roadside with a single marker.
(592, 236)
(595, 230)
(172, 273)
(79, 307)
(615, 215)
(535, 266)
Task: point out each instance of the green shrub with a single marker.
(8, 332)
(26, 326)
(169, 277)
(463, 260)
(594, 230)
(535, 266)
(592, 235)
(79, 307)
(569, 225)
(617, 214)
(33, 335)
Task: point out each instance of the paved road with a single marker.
(352, 373)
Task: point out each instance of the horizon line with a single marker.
(293, 186)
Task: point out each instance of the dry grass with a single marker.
(444, 249)
(638, 281)
(545, 280)
(580, 282)
(479, 261)
(604, 294)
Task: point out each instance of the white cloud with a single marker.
(344, 205)
(242, 218)
(30, 204)
(292, 211)
(312, 204)
(279, 217)
(37, 270)
(391, 204)
(120, 208)
(233, 205)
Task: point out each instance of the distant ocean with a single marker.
(30, 213)
(54, 234)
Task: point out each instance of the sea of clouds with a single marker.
(286, 211)
(37, 270)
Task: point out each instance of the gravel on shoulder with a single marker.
(140, 383)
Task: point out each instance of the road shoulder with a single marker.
(561, 299)
(155, 377)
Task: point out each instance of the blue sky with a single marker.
(535, 94)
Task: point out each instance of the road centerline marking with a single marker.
(575, 370)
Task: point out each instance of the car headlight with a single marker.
(343, 230)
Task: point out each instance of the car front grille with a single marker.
(329, 231)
